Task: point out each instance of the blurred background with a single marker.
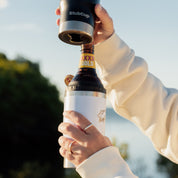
(33, 64)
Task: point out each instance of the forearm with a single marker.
(138, 95)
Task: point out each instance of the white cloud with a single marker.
(3, 4)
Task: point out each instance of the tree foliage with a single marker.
(123, 148)
(167, 166)
(30, 111)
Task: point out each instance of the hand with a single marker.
(84, 142)
(103, 24)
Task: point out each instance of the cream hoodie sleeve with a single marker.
(138, 95)
(106, 163)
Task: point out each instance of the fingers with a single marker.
(58, 22)
(77, 118)
(71, 150)
(66, 154)
(102, 14)
(80, 121)
(58, 11)
(72, 131)
(104, 17)
(70, 145)
(80, 143)
(66, 143)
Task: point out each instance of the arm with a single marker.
(138, 95)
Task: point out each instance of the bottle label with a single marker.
(87, 61)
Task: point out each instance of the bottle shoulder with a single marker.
(86, 80)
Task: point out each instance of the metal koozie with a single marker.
(77, 21)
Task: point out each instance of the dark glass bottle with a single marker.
(85, 93)
(86, 78)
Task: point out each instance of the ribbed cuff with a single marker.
(106, 163)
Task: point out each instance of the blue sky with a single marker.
(28, 28)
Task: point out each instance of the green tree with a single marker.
(30, 111)
(123, 148)
(32, 170)
(167, 166)
(3, 57)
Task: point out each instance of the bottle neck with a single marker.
(86, 78)
(87, 59)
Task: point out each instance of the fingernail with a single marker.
(60, 141)
(61, 127)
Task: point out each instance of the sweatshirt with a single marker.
(138, 96)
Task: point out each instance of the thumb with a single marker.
(104, 17)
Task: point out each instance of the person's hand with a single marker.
(85, 138)
(103, 24)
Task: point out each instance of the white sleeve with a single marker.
(106, 163)
(138, 95)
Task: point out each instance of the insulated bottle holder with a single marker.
(77, 21)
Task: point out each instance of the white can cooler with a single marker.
(90, 104)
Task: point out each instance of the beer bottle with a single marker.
(86, 94)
